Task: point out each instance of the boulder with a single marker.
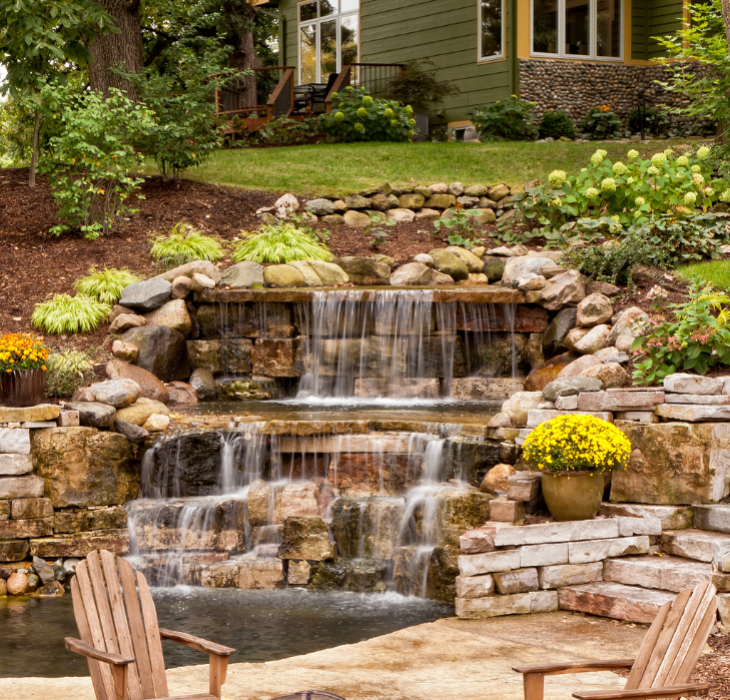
(456, 188)
(320, 206)
(173, 315)
(133, 433)
(605, 288)
(162, 351)
(515, 268)
(357, 201)
(547, 372)
(494, 267)
(681, 383)
(200, 283)
(356, 219)
(204, 384)
(427, 215)
(400, 215)
(150, 386)
(52, 589)
(624, 342)
(181, 287)
(333, 220)
(146, 296)
(124, 322)
(496, 479)
(43, 570)
(472, 262)
(594, 310)
(17, 584)
(498, 192)
(577, 367)
(201, 267)
(565, 288)
(182, 394)
(413, 274)
(517, 406)
(283, 276)
(93, 414)
(625, 322)
(364, 271)
(439, 188)
(482, 216)
(156, 423)
(424, 259)
(311, 278)
(574, 335)
(118, 393)
(412, 201)
(329, 273)
(596, 339)
(476, 191)
(611, 374)
(139, 412)
(531, 283)
(286, 204)
(571, 386)
(379, 202)
(306, 537)
(449, 263)
(125, 351)
(440, 201)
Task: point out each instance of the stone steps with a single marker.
(715, 518)
(616, 600)
(691, 544)
(662, 573)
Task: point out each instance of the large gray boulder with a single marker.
(243, 274)
(365, 271)
(320, 206)
(118, 393)
(554, 339)
(174, 314)
(449, 263)
(516, 268)
(204, 384)
(93, 414)
(146, 296)
(413, 274)
(162, 351)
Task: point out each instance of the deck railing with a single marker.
(374, 77)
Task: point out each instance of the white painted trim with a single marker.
(500, 56)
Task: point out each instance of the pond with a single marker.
(261, 625)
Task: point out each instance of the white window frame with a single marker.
(593, 35)
(497, 57)
(335, 17)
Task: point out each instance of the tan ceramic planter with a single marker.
(573, 497)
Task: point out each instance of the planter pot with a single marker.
(25, 388)
(422, 126)
(573, 497)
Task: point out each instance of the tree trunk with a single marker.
(112, 49)
(244, 54)
(34, 148)
(726, 20)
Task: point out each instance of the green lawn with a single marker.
(716, 273)
(347, 168)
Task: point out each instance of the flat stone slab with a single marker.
(614, 600)
(619, 400)
(15, 465)
(80, 544)
(715, 518)
(472, 586)
(489, 562)
(598, 550)
(693, 413)
(569, 574)
(540, 415)
(42, 412)
(557, 532)
(14, 441)
(665, 573)
(628, 527)
(21, 487)
(24, 529)
(699, 399)
(544, 554)
(692, 544)
(516, 604)
(681, 383)
(670, 517)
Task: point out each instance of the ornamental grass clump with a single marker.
(576, 444)
(280, 243)
(105, 285)
(67, 371)
(22, 351)
(184, 244)
(66, 314)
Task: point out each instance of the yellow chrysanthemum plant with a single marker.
(576, 443)
(22, 351)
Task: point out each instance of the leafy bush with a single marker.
(506, 120)
(556, 125)
(22, 351)
(576, 443)
(459, 225)
(281, 131)
(655, 120)
(601, 124)
(184, 244)
(358, 116)
(67, 371)
(105, 285)
(66, 314)
(281, 243)
(90, 158)
(694, 337)
(417, 86)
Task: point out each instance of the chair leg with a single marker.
(119, 673)
(534, 686)
(218, 668)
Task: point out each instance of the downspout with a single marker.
(514, 60)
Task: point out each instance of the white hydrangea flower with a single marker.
(597, 157)
(637, 214)
(668, 152)
(698, 180)
(583, 169)
(557, 178)
(703, 152)
(651, 170)
(725, 196)
(592, 193)
(690, 198)
(633, 154)
(557, 202)
(616, 218)
(619, 168)
(658, 159)
(640, 201)
(683, 161)
(608, 185)
(708, 191)
(696, 168)
(630, 181)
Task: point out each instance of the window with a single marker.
(329, 38)
(491, 29)
(577, 28)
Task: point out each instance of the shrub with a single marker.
(556, 125)
(281, 131)
(90, 158)
(506, 120)
(105, 285)
(576, 443)
(601, 124)
(67, 371)
(417, 86)
(693, 337)
(358, 116)
(22, 351)
(655, 120)
(66, 314)
(184, 244)
(459, 224)
(281, 243)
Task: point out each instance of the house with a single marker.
(561, 54)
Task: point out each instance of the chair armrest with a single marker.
(85, 649)
(576, 667)
(194, 642)
(669, 691)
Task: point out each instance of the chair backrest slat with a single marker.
(646, 649)
(136, 626)
(124, 637)
(92, 617)
(154, 643)
(101, 599)
(85, 634)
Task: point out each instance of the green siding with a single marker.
(639, 14)
(663, 17)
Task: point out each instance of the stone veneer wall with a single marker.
(578, 86)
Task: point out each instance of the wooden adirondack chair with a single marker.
(120, 637)
(665, 660)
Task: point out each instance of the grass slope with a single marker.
(715, 272)
(347, 168)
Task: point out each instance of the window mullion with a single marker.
(561, 28)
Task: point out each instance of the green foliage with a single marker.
(556, 125)
(459, 223)
(694, 336)
(67, 371)
(281, 131)
(16, 132)
(90, 159)
(715, 273)
(281, 243)
(357, 116)
(377, 234)
(506, 120)
(64, 314)
(655, 120)
(601, 124)
(184, 244)
(417, 86)
(105, 285)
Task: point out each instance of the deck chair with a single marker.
(120, 637)
(665, 660)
